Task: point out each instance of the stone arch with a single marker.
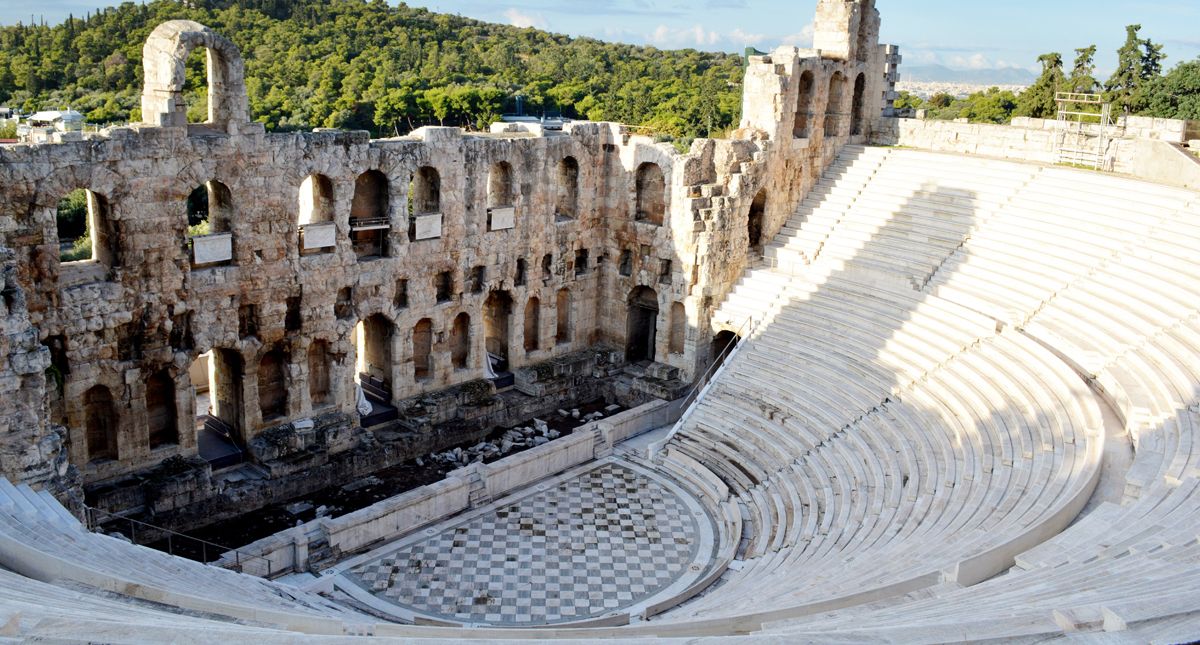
(650, 194)
(164, 61)
(210, 217)
(500, 193)
(83, 219)
(162, 417)
(369, 221)
(373, 341)
(563, 323)
(272, 385)
(567, 205)
(679, 324)
(833, 106)
(100, 422)
(226, 374)
(460, 341)
(423, 350)
(804, 107)
(856, 105)
(317, 200)
(497, 316)
(533, 324)
(319, 381)
(425, 194)
(754, 222)
(641, 328)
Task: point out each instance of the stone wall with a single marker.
(329, 254)
(1151, 154)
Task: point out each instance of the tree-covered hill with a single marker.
(366, 64)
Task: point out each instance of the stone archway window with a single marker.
(804, 99)
(856, 107)
(100, 424)
(84, 229)
(567, 206)
(651, 194)
(833, 107)
(210, 218)
(165, 56)
(318, 233)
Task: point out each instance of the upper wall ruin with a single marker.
(280, 270)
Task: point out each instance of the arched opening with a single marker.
(679, 324)
(369, 223)
(318, 374)
(567, 205)
(641, 327)
(426, 193)
(856, 107)
(501, 197)
(803, 107)
(100, 424)
(84, 229)
(497, 314)
(651, 198)
(500, 185)
(460, 342)
(424, 205)
(423, 350)
(210, 218)
(162, 419)
(272, 385)
(533, 324)
(754, 222)
(722, 344)
(315, 217)
(225, 375)
(833, 107)
(373, 340)
(562, 332)
(192, 71)
(195, 86)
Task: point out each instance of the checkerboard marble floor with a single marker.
(589, 545)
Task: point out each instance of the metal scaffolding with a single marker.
(1084, 129)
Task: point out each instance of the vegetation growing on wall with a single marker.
(368, 65)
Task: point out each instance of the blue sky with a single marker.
(963, 34)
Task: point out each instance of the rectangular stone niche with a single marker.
(210, 249)
(428, 226)
(500, 219)
(319, 236)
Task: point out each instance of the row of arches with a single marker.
(85, 229)
(220, 379)
(834, 113)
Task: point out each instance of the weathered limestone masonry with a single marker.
(809, 103)
(329, 256)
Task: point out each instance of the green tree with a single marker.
(907, 100)
(1037, 100)
(1083, 80)
(1139, 61)
(1176, 95)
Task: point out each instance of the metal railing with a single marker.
(94, 518)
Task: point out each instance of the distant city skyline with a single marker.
(959, 35)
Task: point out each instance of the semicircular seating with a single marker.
(918, 408)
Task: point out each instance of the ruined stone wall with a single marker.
(325, 243)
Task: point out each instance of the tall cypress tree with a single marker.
(1038, 100)
(1128, 76)
(1083, 80)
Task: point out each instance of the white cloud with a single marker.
(694, 36)
(518, 19)
(802, 38)
(740, 36)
